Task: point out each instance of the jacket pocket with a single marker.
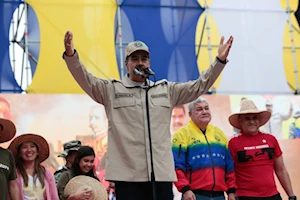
(161, 109)
(124, 102)
(124, 110)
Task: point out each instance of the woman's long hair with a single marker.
(82, 152)
(39, 170)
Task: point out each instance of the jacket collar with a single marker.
(127, 82)
(196, 128)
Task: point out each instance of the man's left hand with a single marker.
(224, 49)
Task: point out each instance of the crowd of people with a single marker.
(144, 160)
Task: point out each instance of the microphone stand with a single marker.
(153, 182)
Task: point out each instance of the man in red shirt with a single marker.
(256, 156)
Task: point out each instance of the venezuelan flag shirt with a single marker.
(202, 159)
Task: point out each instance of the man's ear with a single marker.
(126, 64)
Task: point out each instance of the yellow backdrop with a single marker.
(92, 24)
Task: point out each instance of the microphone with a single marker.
(136, 71)
(149, 72)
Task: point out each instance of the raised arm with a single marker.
(287, 115)
(95, 87)
(182, 93)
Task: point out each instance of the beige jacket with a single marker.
(128, 155)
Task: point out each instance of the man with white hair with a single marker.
(203, 163)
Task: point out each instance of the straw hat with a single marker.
(81, 183)
(42, 144)
(248, 107)
(7, 130)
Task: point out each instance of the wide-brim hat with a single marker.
(8, 130)
(248, 107)
(81, 183)
(41, 143)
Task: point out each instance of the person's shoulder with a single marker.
(48, 171)
(4, 151)
(61, 170)
(185, 129)
(67, 173)
(181, 134)
(162, 81)
(268, 135)
(235, 137)
(215, 129)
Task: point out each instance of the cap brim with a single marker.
(66, 152)
(136, 51)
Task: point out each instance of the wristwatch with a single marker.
(292, 197)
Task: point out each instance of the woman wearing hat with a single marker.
(34, 180)
(82, 165)
(257, 156)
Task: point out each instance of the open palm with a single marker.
(224, 48)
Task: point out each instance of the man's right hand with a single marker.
(69, 45)
(189, 195)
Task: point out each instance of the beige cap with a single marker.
(136, 46)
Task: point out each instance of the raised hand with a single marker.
(224, 49)
(69, 45)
